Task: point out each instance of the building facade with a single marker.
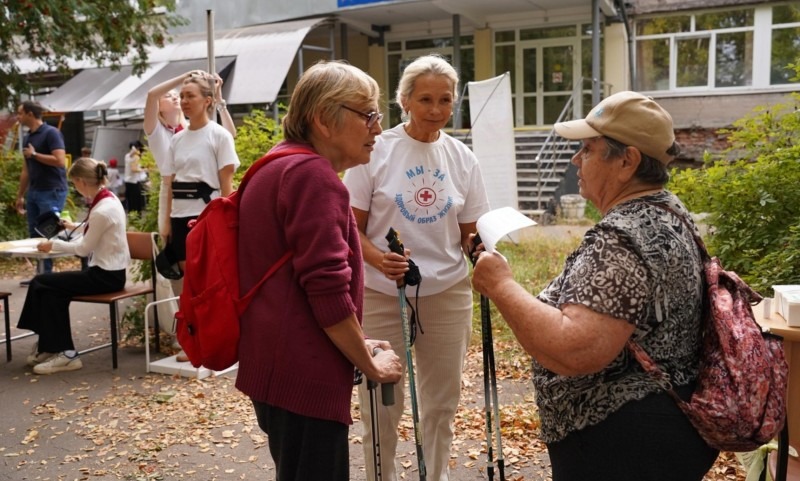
(709, 62)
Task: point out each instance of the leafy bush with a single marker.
(257, 134)
(12, 225)
(753, 202)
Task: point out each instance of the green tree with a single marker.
(754, 200)
(54, 31)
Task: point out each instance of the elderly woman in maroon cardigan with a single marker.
(301, 335)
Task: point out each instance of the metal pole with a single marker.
(457, 60)
(595, 52)
(212, 67)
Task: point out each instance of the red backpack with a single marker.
(210, 306)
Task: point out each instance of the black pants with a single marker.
(134, 197)
(645, 440)
(304, 448)
(46, 308)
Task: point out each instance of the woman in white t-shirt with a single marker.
(200, 163)
(163, 118)
(135, 178)
(427, 186)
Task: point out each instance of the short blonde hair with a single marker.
(322, 89)
(427, 65)
(93, 172)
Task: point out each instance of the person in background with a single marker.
(115, 183)
(637, 276)
(86, 153)
(434, 208)
(43, 181)
(135, 178)
(200, 165)
(163, 118)
(104, 242)
(301, 336)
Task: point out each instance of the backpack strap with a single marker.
(697, 239)
(244, 302)
(268, 157)
(662, 378)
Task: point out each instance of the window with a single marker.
(403, 52)
(785, 42)
(717, 49)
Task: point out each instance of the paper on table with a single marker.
(496, 224)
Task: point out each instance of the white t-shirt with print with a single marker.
(198, 156)
(424, 191)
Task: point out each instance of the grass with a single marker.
(534, 263)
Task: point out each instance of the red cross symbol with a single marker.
(425, 196)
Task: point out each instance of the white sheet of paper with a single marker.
(498, 223)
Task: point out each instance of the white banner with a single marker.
(492, 120)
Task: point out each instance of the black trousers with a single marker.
(304, 448)
(46, 308)
(134, 197)
(647, 440)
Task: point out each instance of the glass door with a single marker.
(547, 77)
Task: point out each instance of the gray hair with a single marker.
(322, 89)
(428, 65)
(650, 170)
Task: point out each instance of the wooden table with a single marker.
(791, 343)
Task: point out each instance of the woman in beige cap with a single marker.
(636, 275)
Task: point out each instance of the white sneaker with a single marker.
(35, 357)
(57, 363)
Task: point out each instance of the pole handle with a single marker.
(387, 389)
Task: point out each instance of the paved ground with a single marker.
(104, 424)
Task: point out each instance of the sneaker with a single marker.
(25, 283)
(35, 357)
(38, 358)
(57, 363)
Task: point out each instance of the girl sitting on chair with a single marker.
(104, 242)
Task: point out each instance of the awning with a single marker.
(82, 91)
(263, 55)
(137, 98)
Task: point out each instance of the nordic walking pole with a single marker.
(387, 395)
(490, 386)
(397, 247)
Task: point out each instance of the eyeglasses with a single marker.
(372, 117)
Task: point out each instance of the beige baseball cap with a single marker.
(630, 118)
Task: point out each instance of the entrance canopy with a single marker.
(259, 56)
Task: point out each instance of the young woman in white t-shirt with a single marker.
(204, 152)
(163, 118)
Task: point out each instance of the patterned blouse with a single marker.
(641, 264)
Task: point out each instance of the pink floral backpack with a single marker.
(740, 399)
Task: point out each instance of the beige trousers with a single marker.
(439, 356)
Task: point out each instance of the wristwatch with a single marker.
(222, 105)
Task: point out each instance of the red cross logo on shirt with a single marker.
(425, 196)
